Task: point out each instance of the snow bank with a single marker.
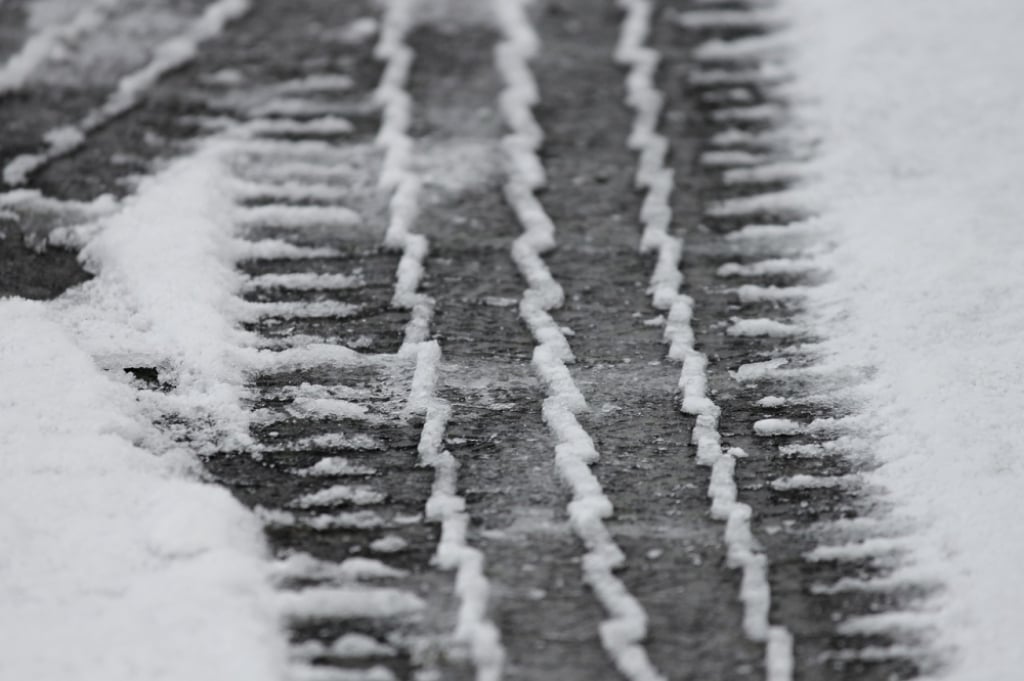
(113, 564)
(165, 297)
(922, 116)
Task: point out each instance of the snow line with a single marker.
(623, 632)
(19, 67)
(473, 627)
(656, 179)
(170, 55)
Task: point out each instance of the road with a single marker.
(541, 401)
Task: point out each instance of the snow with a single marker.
(358, 495)
(773, 267)
(48, 39)
(104, 523)
(303, 566)
(755, 371)
(130, 90)
(731, 158)
(655, 215)
(298, 217)
(277, 249)
(773, 172)
(253, 311)
(106, 546)
(292, 191)
(318, 83)
(335, 466)
(859, 550)
(391, 543)
(327, 442)
(305, 281)
(922, 125)
(473, 628)
(625, 628)
(362, 520)
(746, 18)
(346, 647)
(763, 327)
(164, 294)
(337, 602)
(329, 673)
(752, 293)
(306, 407)
(359, 645)
(324, 125)
(799, 482)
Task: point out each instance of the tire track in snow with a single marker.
(329, 472)
(333, 470)
(416, 360)
(791, 416)
(545, 611)
(657, 180)
(474, 630)
(331, 464)
(625, 627)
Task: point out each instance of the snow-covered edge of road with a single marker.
(117, 562)
(918, 172)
